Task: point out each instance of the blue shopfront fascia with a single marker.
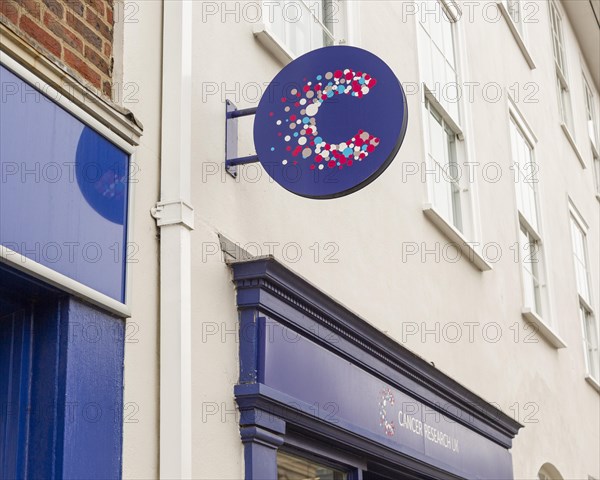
(33, 246)
(311, 369)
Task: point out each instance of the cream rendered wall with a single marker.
(369, 228)
(142, 61)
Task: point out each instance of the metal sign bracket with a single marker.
(232, 113)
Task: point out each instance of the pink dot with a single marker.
(271, 114)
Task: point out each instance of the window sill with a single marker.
(592, 381)
(598, 196)
(571, 140)
(272, 44)
(456, 128)
(516, 34)
(467, 248)
(549, 335)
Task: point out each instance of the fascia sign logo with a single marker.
(330, 122)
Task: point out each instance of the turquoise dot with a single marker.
(305, 120)
(272, 149)
(347, 152)
(319, 77)
(361, 81)
(318, 140)
(364, 147)
(341, 89)
(295, 134)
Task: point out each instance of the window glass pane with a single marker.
(591, 113)
(590, 333)
(443, 180)
(526, 176)
(303, 25)
(290, 467)
(597, 172)
(530, 258)
(437, 55)
(580, 260)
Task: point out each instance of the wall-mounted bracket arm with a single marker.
(232, 113)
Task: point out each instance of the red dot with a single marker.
(370, 148)
(297, 104)
(271, 114)
(317, 87)
(337, 74)
(318, 158)
(350, 162)
(371, 83)
(283, 99)
(279, 134)
(312, 167)
(293, 118)
(349, 76)
(331, 164)
(296, 151)
(306, 88)
(288, 148)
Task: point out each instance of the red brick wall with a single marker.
(77, 33)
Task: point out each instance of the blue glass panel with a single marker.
(63, 189)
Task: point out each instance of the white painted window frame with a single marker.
(543, 323)
(265, 34)
(585, 304)
(469, 239)
(96, 116)
(518, 29)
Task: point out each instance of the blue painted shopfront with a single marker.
(63, 204)
(313, 373)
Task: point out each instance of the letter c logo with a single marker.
(304, 139)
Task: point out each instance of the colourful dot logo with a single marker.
(330, 122)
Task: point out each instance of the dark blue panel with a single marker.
(61, 385)
(93, 394)
(15, 347)
(63, 190)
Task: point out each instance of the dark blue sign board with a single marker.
(330, 122)
(359, 402)
(63, 190)
(309, 365)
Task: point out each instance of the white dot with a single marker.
(303, 101)
(278, 122)
(321, 167)
(284, 162)
(287, 138)
(301, 140)
(312, 110)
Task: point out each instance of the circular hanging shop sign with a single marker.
(330, 122)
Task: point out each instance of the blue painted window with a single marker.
(63, 189)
